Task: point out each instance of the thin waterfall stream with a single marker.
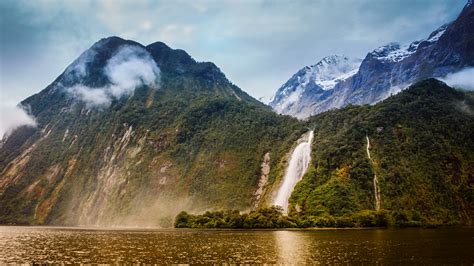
(297, 167)
(376, 181)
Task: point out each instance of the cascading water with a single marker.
(376, 181)
(299, 162)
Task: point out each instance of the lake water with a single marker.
(79, 245)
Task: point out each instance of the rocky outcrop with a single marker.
(262, 182)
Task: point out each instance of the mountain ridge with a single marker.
(390, 68)
(316, 79)
(130, 135)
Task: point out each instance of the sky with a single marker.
(258, 44)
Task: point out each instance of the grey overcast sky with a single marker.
(258, 44)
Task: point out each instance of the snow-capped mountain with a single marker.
(385, 71)
(393, 52)
(314, 79)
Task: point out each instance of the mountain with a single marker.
(311, 82)
(415, 147)
(130, 135)
(388, 69)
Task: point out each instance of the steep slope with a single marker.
(391, 68)
(411, 156)
(311, 82)
(130, 135)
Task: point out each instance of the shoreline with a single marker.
(124, 228)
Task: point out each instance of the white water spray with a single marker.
(376, 181)
(299, 162)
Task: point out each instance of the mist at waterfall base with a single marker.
(297, 167)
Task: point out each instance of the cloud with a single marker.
(91, 96)
(463, 79)
(258, 44)
(78, 68)
(129, 68)
(12, 117)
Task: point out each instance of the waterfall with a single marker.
(376, 181)
(299, 162)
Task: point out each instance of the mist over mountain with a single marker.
(131, 135)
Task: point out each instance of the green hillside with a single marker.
(195, 143)
(422, 149)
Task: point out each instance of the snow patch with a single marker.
(332, 70)
(434, 37)
(324, 75)
(393, 52)
(469, 3)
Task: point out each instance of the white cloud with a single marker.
(146, 25)
(12, 117)
(463, 79)
(92, 97)
(78, 68)
(258, 44)
(129, 68)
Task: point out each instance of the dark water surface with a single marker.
(74, 245)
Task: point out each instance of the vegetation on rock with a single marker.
(421, 144)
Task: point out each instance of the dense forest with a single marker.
(273, 217)
(421, 144)
(196, 142)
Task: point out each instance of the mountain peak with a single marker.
(385, 71)
(159, 45)
(175, 60)
(391, 52)
(88, 69)
(112, 42)
(110, 39)
(332, 69)
(311, 80)
(333, 59)
(435, 35)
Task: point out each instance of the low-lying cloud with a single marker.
(463, 79)
(91, 96)
(129, 68)
(78, 68)
(12, 117)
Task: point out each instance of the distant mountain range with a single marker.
(337, 81)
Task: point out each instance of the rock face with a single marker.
(265, 171)
(130, 135)
(312, 82)
(389, 69)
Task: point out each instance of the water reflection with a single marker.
(66, 245)
(291, 246)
